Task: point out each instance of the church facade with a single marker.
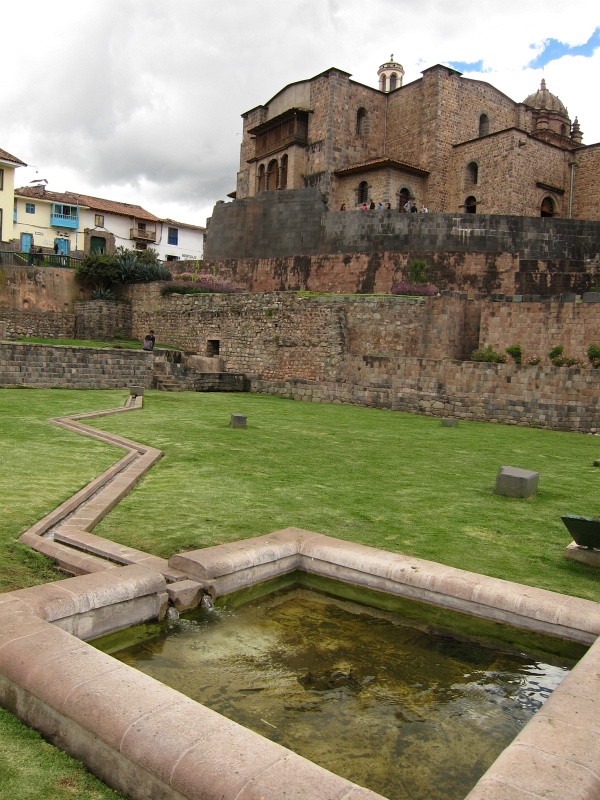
(444, 142)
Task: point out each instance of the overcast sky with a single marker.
(140, 100)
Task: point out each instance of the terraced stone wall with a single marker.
(543, 396)
(41, 324)
(41, 366)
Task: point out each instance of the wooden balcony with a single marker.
(142, 234)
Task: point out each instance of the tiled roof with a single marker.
(378, 163)
(87, 201)
(4, 156)
(175, 224)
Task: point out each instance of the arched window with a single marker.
(393, 81)
(361, 122)
(547, 209)
(261, 185)
(472, 172)
(283, 172)
(363, 192)
(563, 129)
(403, 198)
(272, 175)
(471, 205)
(382, 83)
(484, 125)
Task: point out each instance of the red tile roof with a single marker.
(87, 201)
(4, 156)
(175, 224)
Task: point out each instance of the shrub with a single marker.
(556, 353)
(417, 270)
(489, 355)
(515, 351)
(414, 289)
(140, 266)
(593, 354)
(99, 270)
(103, 294)
(533, 361)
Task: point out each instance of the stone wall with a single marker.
(281, 240)
(39, 288)
(543, 396)
(41, 324)
(42, 366)
(103, 319)
(539, 327)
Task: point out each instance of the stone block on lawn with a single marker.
(449, 423)
(136, 391)
(515, 482)
(238, 420)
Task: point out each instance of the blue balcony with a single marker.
(64, 220)
(63, 216)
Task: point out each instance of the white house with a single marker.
(78, 224)
(8, 164)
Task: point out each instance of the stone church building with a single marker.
(447, 142)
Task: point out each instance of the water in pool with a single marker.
(408, 713)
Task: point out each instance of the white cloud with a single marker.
(141, 101)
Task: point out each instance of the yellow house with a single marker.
(8, 164)
(48, 221)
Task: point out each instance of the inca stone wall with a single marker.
(544, 396)
(42, 366)
(39, 288)
(102, 319)
(40, 324)
(282, 240)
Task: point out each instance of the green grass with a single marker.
(386, 479)
(121, 344)
(31, 769)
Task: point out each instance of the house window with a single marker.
(471, 205)
(141, 226)
(30, 208)
(141, 246)
(361, 122)
(99, 220)
(363, 192)
(484, 125)
(1, 179)
(212, 347)
(173, 237)
(472, 172)
(172, 258)
(547, 209)
(283, 173)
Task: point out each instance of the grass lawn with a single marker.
(121, 344)
(394, 481)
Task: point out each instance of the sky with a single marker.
(141, 100)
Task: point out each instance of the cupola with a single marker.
(390, 75)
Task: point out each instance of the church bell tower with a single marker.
(390, 75)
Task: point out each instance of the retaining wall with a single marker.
(42, 366)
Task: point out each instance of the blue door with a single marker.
(26, 242)
(63, 247)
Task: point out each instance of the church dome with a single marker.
(543, 100)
